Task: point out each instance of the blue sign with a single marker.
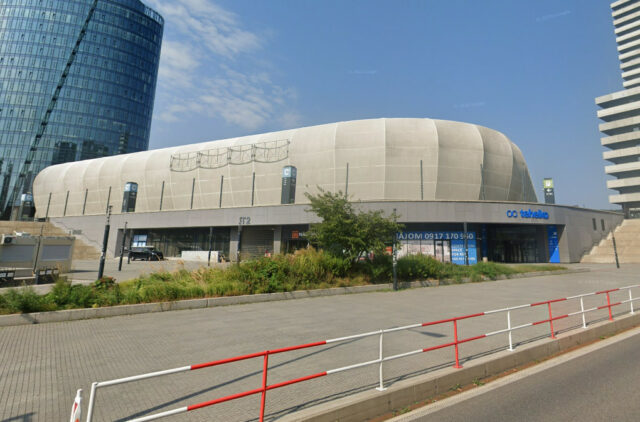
(457, 243)
(539, 214)
(552, 238)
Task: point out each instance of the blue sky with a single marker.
(530, 69)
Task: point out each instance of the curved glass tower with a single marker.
(77, 81)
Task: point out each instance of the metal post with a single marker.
(466, 245)
(584, 319)
(253, 186)
(193, 189)
(455, 338)
(108, 199)
(264, 385)
(631, 302)
(84, 204)
(161, 196)
(124, 238)
(509, 327)
(609, 306)
(553, 334)
(395, 257)
(221, 185)
(46, 216)
(615, 250)
(239, 242)
(381, 386)
(92, 400)
(346, 183)
(421, 182)
(210, 245)
(66, 201)
(105, 241)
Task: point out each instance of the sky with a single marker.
(530, 69)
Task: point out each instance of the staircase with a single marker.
(81, 250)
(627, 242)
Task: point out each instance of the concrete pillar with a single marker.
(233, 244)
(277, 239)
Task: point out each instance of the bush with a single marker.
(305, 269)
(413, 267)
(26, 300)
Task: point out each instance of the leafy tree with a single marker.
(346, 232)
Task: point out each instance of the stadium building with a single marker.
(462, 191)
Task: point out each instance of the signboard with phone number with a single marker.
(457, 243)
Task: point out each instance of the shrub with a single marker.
(26, 300)
(414, 267)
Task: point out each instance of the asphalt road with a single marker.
(599, 386)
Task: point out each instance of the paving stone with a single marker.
(42, 365)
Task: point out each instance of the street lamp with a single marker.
(105, 241)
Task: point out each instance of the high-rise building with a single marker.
(77, 81)
(620, 112)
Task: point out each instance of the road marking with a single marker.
(469, 394)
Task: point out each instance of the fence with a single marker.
(265, 387)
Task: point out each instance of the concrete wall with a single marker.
(52, 252)
(576, 238)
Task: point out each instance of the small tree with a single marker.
(346, 232)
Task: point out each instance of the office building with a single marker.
(620, 112)
(77, 81)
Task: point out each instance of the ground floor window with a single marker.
(171, 242)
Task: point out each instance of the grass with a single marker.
(305, 270)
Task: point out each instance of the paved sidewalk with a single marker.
(41, 366)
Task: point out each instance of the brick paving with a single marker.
(41, 366)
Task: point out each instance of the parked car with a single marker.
(145, 253)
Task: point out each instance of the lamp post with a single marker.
(124, 238)
(395, 256)
(210, 246)
(105, 241)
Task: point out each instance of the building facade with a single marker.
(620, 112)
(77, 81)
(462, 191)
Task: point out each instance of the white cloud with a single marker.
(553, 16)
(203, 69)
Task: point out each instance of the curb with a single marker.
(373, 403)
(143, 308)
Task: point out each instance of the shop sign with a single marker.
(539, 214)
(552, 238)
(457, 243)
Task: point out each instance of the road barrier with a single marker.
(262, 390)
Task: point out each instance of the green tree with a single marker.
(346, 232)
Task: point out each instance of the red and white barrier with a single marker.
(76, 409)
(381, 359)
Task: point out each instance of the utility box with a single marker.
(289, 175)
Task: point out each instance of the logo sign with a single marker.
(529, 214)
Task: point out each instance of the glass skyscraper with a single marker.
(77, 81)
